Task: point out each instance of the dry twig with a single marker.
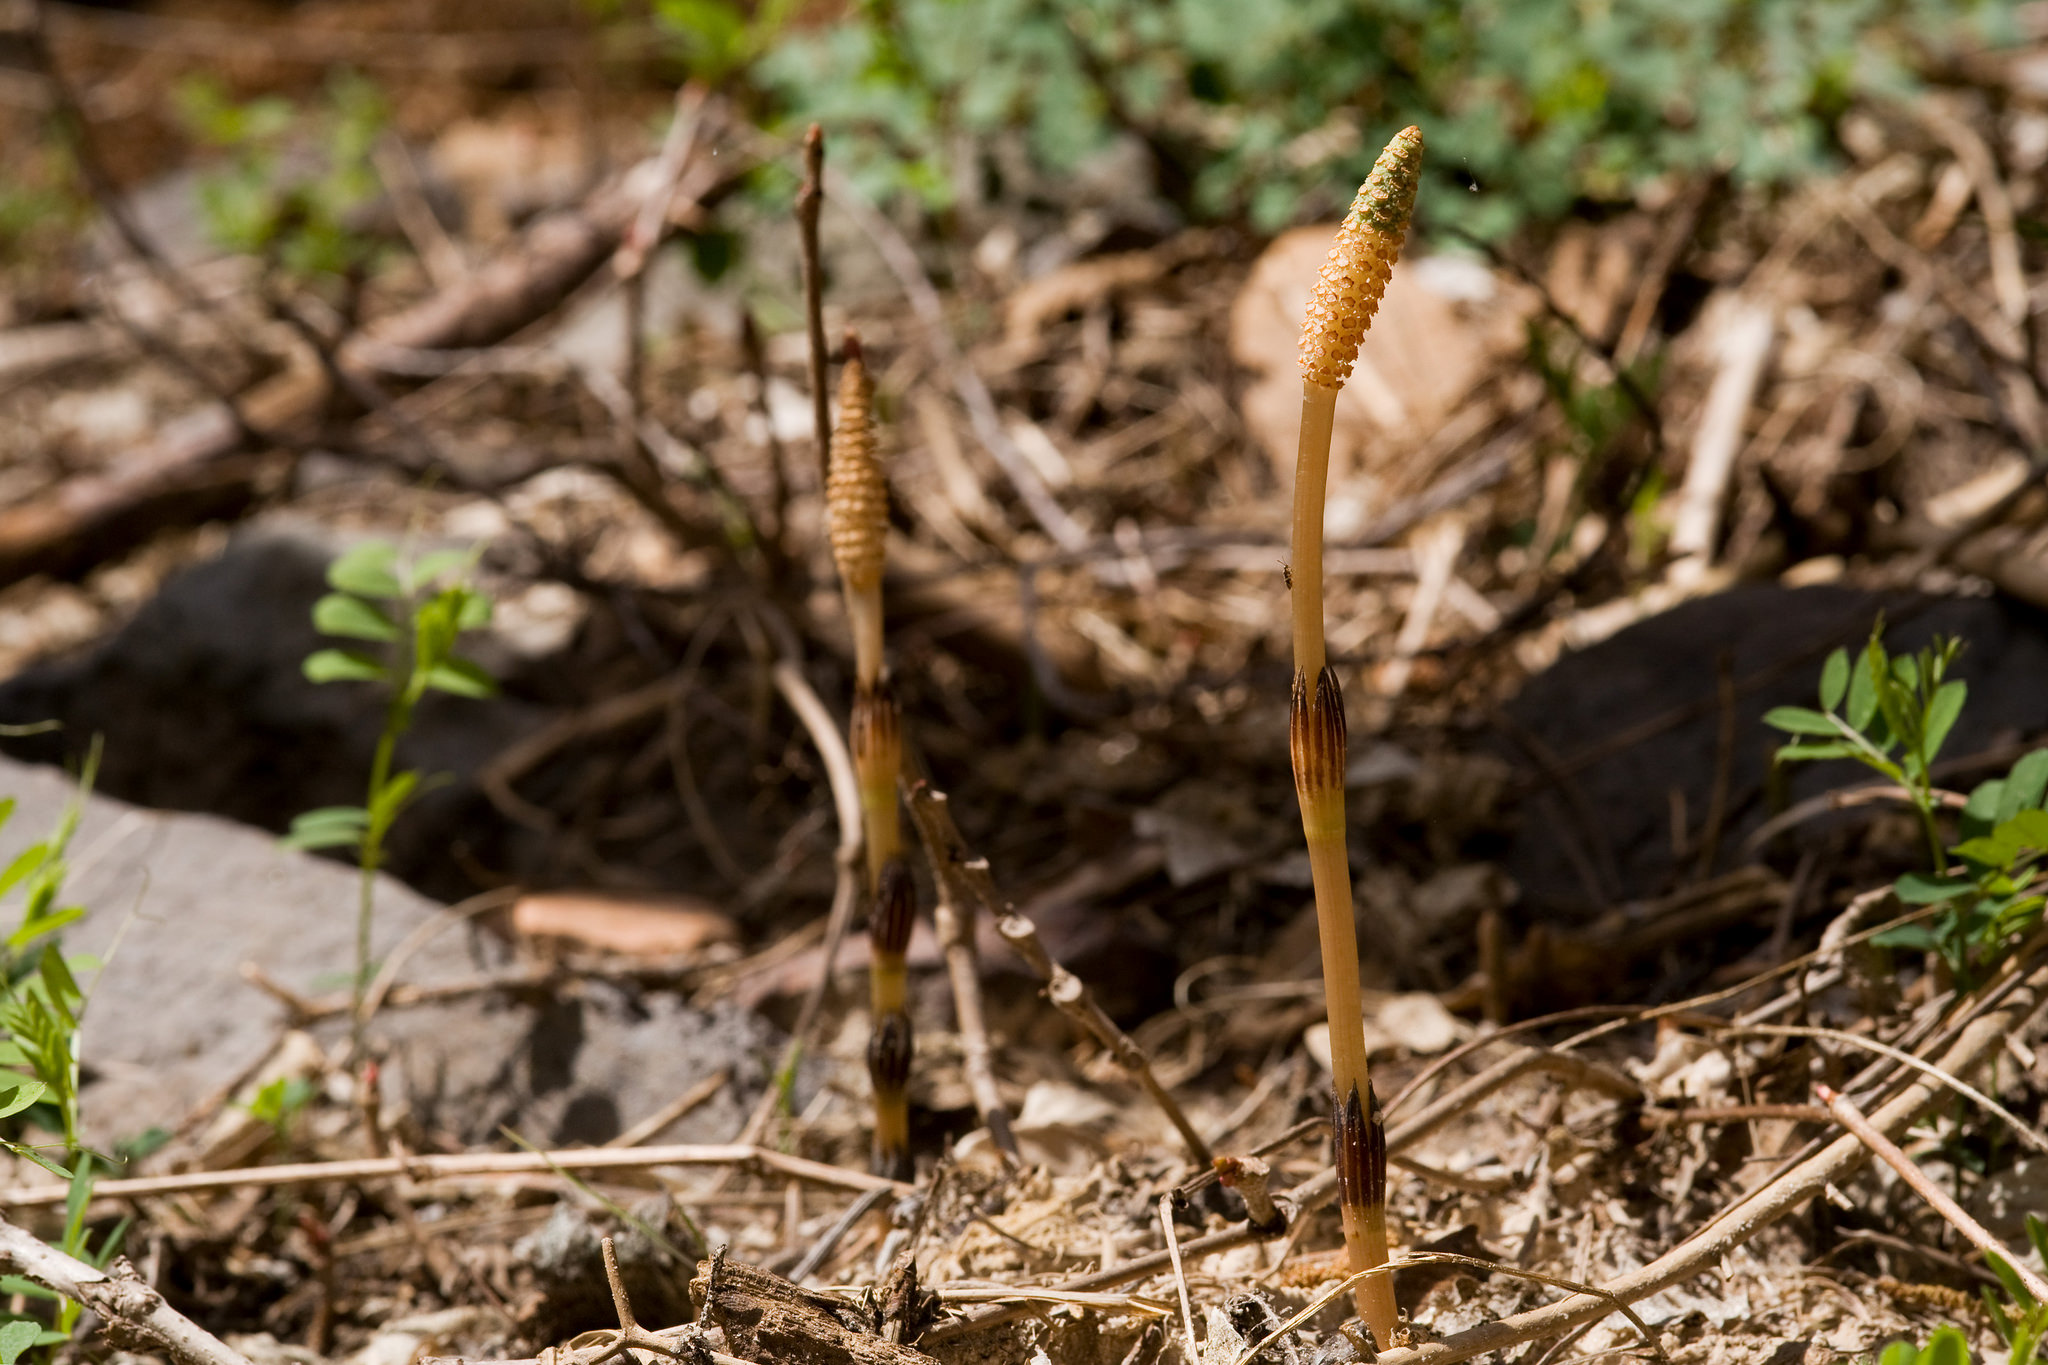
(1851, 1118)
(1071, 997)
(128, 1303)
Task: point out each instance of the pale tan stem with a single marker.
(1365, 1241)
(1339, 933)
(864, 615)
(1311, 475)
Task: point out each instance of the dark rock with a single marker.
(202, 707)
(1637, 716)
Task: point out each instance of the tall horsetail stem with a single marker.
(857, 502)
(1341, 305)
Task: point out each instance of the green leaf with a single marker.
(1981, 811)
(1948, 1346)
(1993, 851)
(25, 863)
(353, 618)
(462, 678)
(1900, 1353)
(16, 1337)
(319, 837)
(475, 612)
(343, 665)
(18, 1093)
(345, 817)
(1797, 720)
(48, 924)
(63, 988)
(2025, 785)
(386, 803)
(16, 1284)
(367, 570)
(1913, 938)
(1920, 888)
(1942, 713)
(1812, 751)
(27, 1153)
(1862, 691)
(2007, 1276)
(1834, 680)
(434, 564)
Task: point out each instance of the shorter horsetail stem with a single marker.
(1359, 1141)
(876, 737)
(889, 1051)
(857, 500)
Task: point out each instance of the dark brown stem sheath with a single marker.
(889, 1052)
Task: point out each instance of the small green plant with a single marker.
(42, 1008)
(1891, 713)
(1947, 1346)
(1253, 111)
(416, 609)
(41, 1003)
(2023, 1325)
(1994, 896)
(289, 179)
(279, 1104)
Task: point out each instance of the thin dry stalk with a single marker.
(1180, 1277)
(1747, 1216)
(1341, 306)
(118, 1295)
(1071, 996)
(965, 889)
(465, 1165)
(810, 200)
(1851, 1118)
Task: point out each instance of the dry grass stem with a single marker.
(1070, 995)
(463, 1166)
(1852, 1118)
(1747, 1216)
(965, 890)
(810, 199)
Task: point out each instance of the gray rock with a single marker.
(177, 903)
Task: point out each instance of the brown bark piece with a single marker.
(768, 1320)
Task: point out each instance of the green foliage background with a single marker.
(1271, 110)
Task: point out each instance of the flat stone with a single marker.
(176, 904)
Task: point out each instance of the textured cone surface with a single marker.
(1348, 290)
(855, 491)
